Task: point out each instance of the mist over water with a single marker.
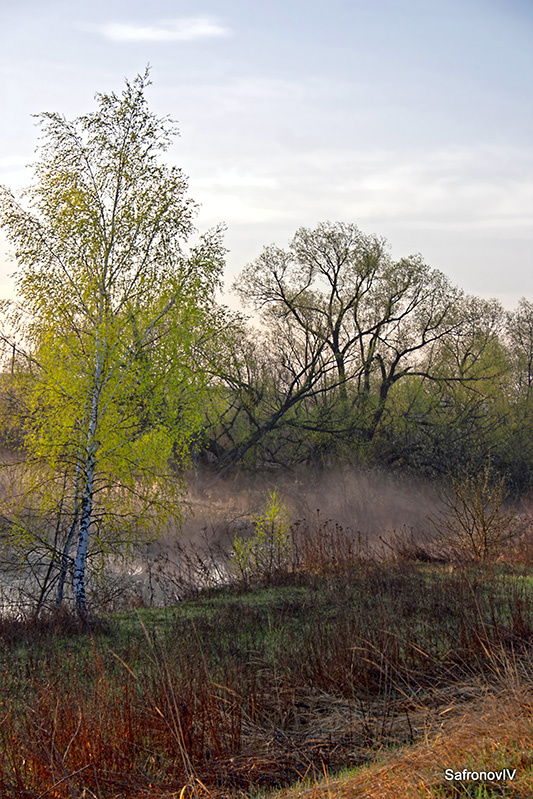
(371, 502)
(374, 509)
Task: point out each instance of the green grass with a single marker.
(250, 688)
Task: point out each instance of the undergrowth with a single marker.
(241, 690)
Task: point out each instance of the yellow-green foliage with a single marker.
(116, 323)
(268, 550)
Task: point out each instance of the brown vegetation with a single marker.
(319, 667)
(492, 731)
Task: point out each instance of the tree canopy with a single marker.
(113, 315)
(345, 324)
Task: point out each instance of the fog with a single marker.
(371, 502)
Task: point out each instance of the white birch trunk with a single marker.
(78, 577)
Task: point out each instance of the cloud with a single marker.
(171, 30)
(231, 179)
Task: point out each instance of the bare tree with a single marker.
(344, 324)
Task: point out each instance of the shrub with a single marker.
(474, 521)
(268, 550)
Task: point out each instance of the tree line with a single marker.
(120, 367)
(365, 359)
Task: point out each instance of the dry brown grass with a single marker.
(330, 664)
(491, 732)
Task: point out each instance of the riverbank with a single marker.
(252, 688)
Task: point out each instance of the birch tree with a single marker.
(112, 317)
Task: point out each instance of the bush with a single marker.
(268, 551)
(474, 522)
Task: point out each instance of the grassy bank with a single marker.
(240, 691)
(485, 742)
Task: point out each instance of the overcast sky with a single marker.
(411, 118)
